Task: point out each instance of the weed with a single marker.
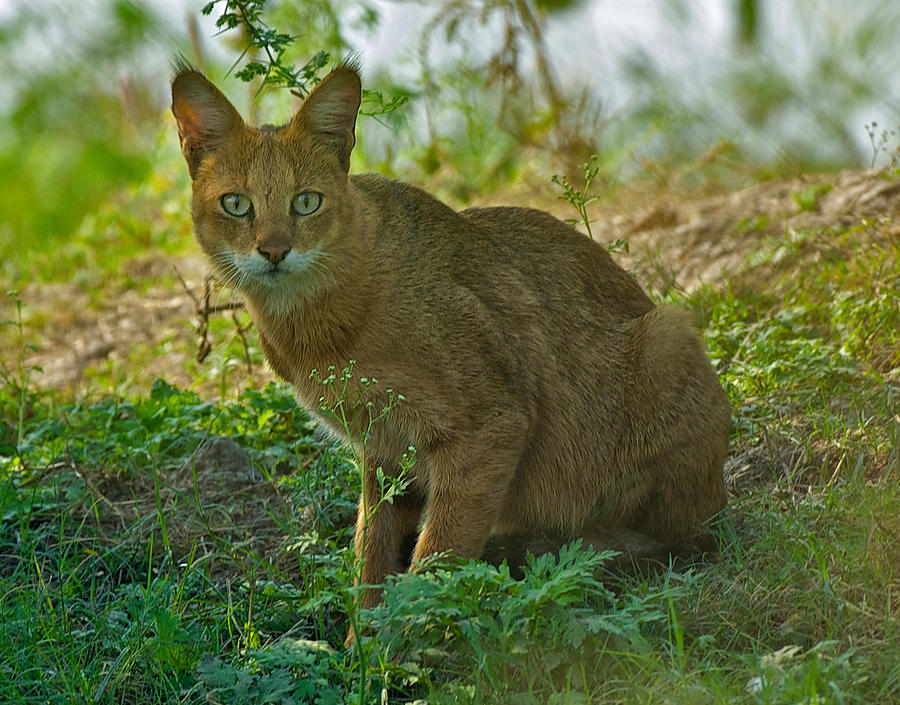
(880, 142)
(349, 404)
(580, 200)
(472, 618)
(17, 380)
(807, 198)
(291, 671)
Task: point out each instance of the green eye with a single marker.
(306, 203)
(235, 204)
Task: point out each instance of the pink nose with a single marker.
(274, 253)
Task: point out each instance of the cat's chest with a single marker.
(292, 355)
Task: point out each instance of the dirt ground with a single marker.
(674, 239)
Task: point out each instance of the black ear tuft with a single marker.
(179, 64)
(352, 61)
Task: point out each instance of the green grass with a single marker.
(116, 238)
(130, 576)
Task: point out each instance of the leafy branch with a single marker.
(262, 39)
(271, 45)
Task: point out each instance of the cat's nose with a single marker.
(274, 253)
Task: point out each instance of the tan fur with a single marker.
(544, 392)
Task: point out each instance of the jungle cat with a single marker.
(544, 392)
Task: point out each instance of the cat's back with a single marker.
(489, 247)
(560, 259)
(536, 231)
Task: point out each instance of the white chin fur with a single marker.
(279, 288)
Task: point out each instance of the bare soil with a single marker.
(675, 239)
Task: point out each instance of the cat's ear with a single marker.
(205, 117)
(329, 111)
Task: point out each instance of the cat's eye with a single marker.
(235, 204)
(306, 203)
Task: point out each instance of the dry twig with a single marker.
(203, 309)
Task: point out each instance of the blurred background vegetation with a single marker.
(500, 92)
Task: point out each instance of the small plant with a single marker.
(752, 225)
(351, 404)
(880, 142)
(808, 198)
(18, 380)
(473, 618)
(292, 671)
(579, 200)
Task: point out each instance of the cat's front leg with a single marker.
(382, 531)
(469, 484)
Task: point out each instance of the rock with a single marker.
(222, 460)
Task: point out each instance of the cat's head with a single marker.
(271, 206)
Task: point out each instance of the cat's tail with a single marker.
(638, 554)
